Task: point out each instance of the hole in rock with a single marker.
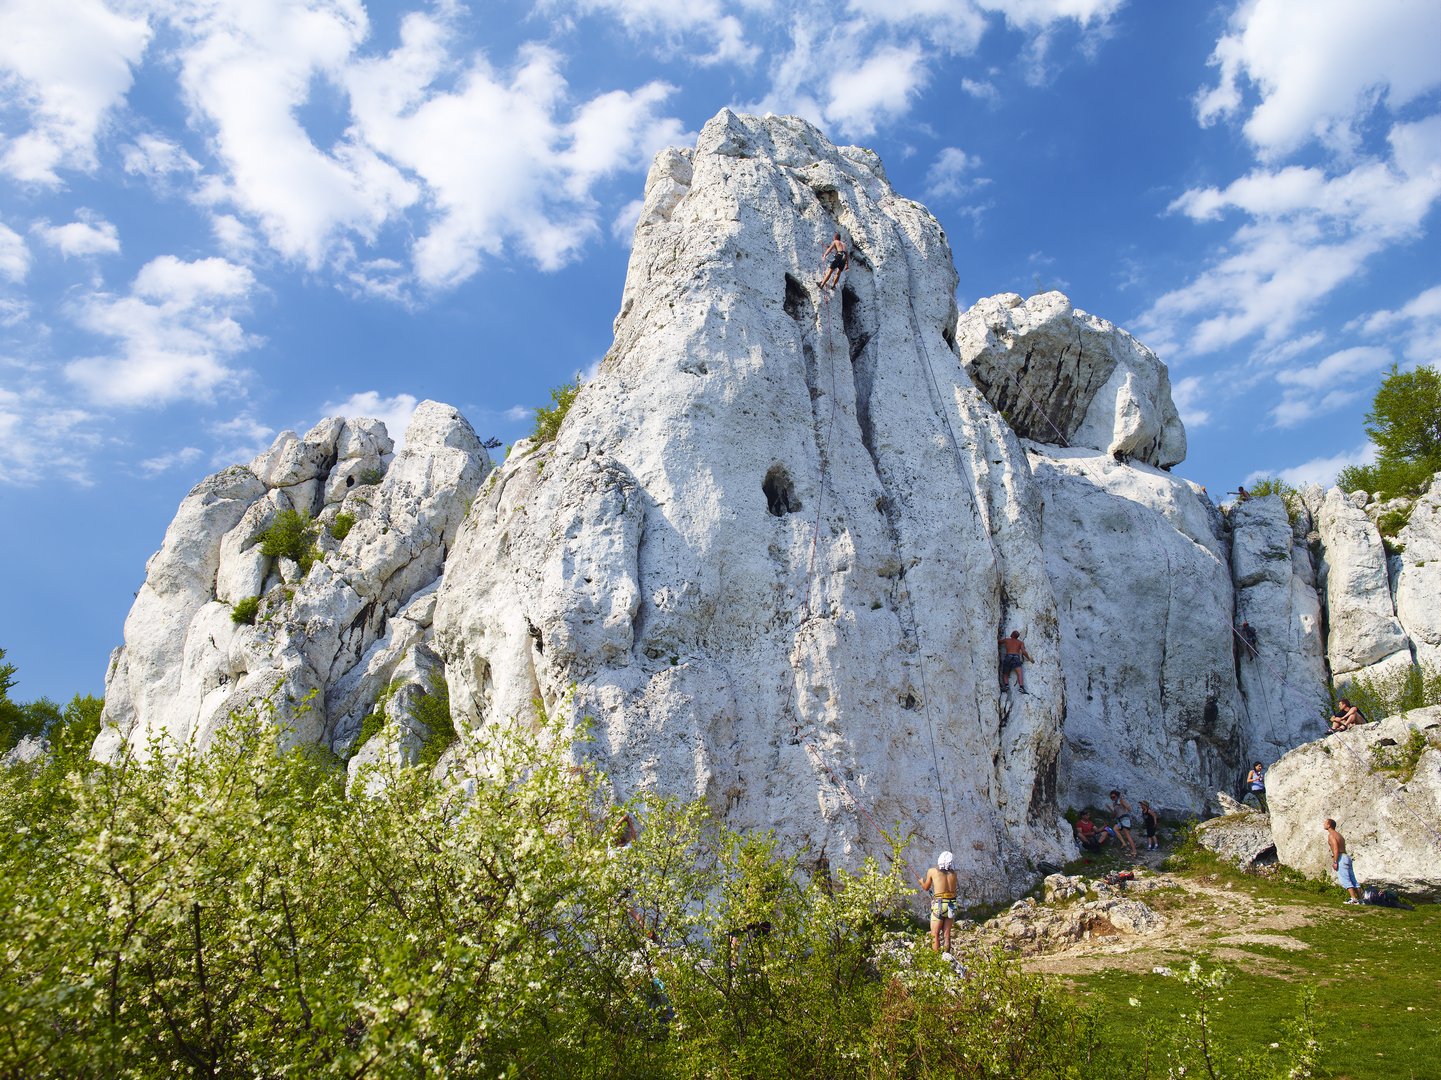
(350, 481)
(796, 302)
(781, 498)
(908, 700)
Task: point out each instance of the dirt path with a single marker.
(1200, 917)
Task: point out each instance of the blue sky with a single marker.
(222, 219)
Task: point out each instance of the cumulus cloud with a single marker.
(241, 438)
(947, 174)
(88, 236)
(65, 66)
(715, 36)
(14, 255)
(156, 158)
(174, 334)
(1314, 68)
(1188, 393)
(394, 412)
(176, 459)
(1319, 470)
(1322, 387)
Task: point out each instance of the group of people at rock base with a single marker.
(1093, 835)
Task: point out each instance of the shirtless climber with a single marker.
(835, 259)
(1012, 660)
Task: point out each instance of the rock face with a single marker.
(777, 536)
(1365, 635)
(775, 541)
(1064, 377)
(1392, 828)
(1283, 677)
(1241, 838)
(323, 641)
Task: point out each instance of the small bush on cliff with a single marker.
(291, 536)
(1400, 761)
(244, 610)
(1400, 690)
(548, 420)
(1290, 497)
(341, 526)
(433, 710)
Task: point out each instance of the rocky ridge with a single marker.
(769, 548)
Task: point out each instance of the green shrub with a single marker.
(292, 536)
(548, 420)
(244, 610)
(1400, 761)
(1383, 695)
(341, 526)
(1290, 496)
(433, 710)
(367, 477)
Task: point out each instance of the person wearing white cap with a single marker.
(940, 882)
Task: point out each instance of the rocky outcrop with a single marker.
(776, 538)
(1144, 602)
(1062, 376)
(1364, 635)
(1418, 578)
(1030, 929)
(317, 648)
(1283, 676)
(1391, 818)
(1242, 838)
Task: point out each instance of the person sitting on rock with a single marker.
(1347, 716)
(1341, 863)
(940, 881)
(1256, 781)
(1090, 835)
(835, 259)
(1013, 654)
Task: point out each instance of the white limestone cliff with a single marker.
(186, 665)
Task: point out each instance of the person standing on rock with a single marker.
(1256, 781)
(1121, 816)
(1014, 653)
(835, 260)
(1341, 863)
(940, 881)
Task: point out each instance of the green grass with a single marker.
(1378, 985)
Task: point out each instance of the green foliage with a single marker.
(1405, 425)
(292, 536)
(244, 610)
(1392, 522)
(433, 710)
(79, 721)
(1273, 485)
(341, 526)
(1397, 691)
(547, 420)
(367, 477)
(1400, 761)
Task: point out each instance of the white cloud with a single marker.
(174, 332)
(879, 88)
(154, 466)
(517, 413)
(622, 226)
(1036, 15)
(239, 439)
(14, 255)
(1321, 388)
(1307, 233)
(1417, 323)
(1317, 67)
(986, 91)
(1187, 394)
(721, 37)
(1319, 470)
(65, 65)
(155, 157)
(41, 436)
(394, 412)
(947, 174)
(88, 236)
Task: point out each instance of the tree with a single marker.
(1405, 425)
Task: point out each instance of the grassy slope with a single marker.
(1377, 973)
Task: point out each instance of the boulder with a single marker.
(1064, 377)
(1029, 928)
(1242, 838)
(1392, 825)
(1418, 582)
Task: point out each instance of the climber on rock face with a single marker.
(1248, 635)
(836, 260)
(1015, 655)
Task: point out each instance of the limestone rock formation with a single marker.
(1365, 636)
(1243, 838)
(1029, 928)
(1283, 677)
(186, 664)
(1418, 582)
(1392, 825)
(1065, 377)
(778, 530)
